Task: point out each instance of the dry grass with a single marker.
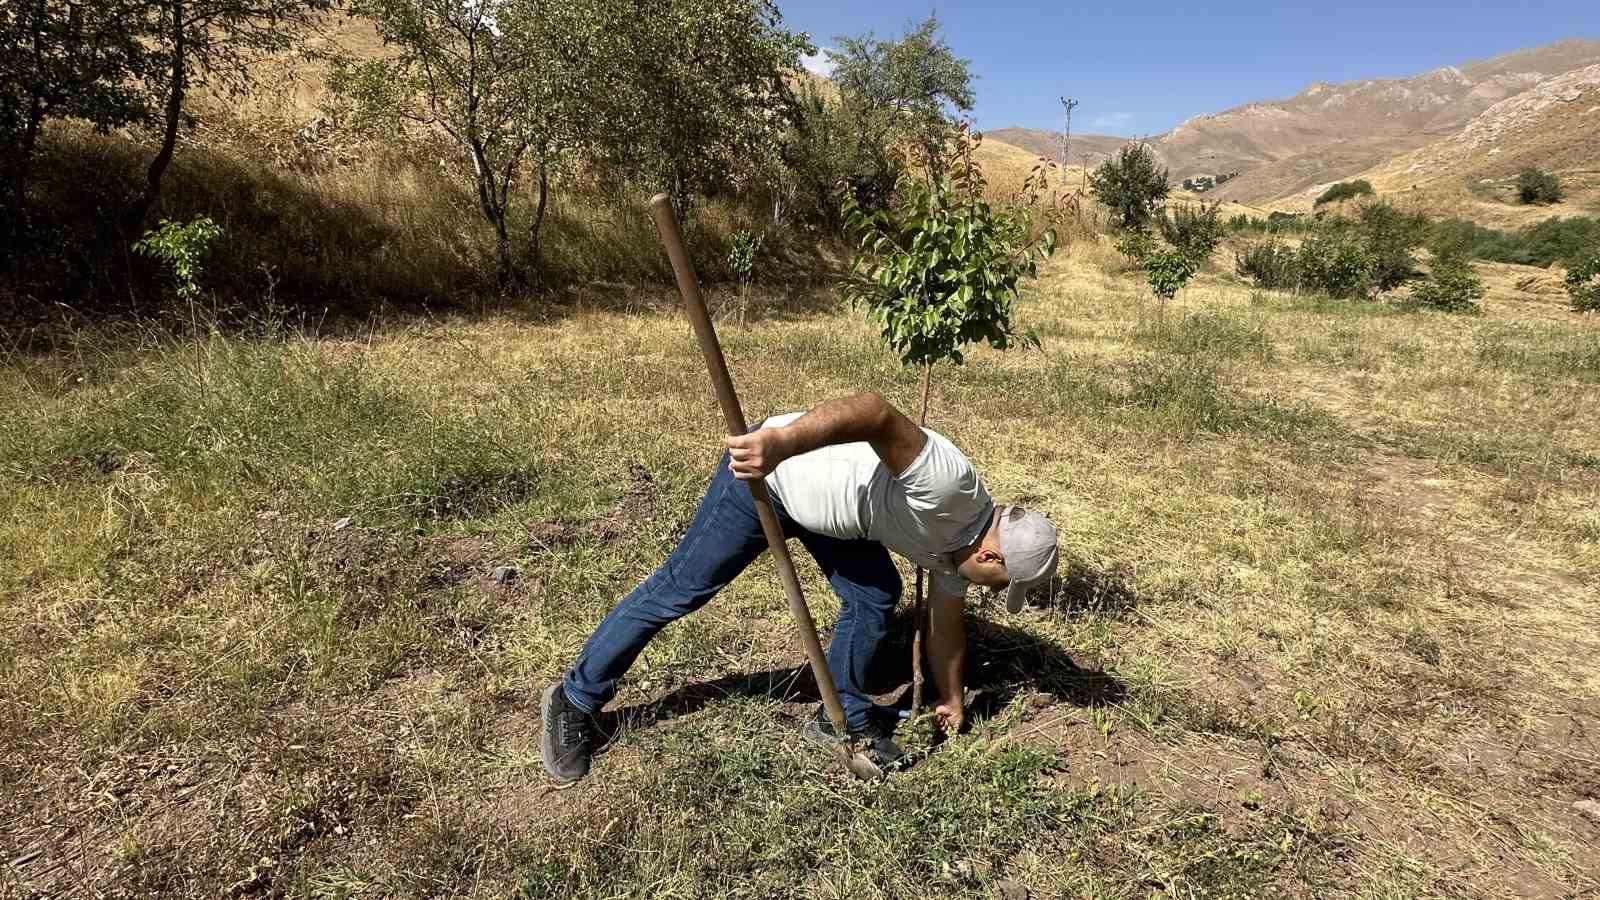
(1326, 628)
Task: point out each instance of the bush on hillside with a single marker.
(824, 149)
(1131, 185)
(1452, 286)
(1270, 265)
(1344, 190)
(1583, 285)
(1390, 235)
(1537, 186)
(1192, 229)
(1554, 240)
(1336, 263)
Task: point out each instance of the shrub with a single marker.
(1270, 265)
(1132, 185)
(1554, 240)
(1536, 186)
(1451, 286)
(1136, 246)
(1336, 263)
(1390, 234)
(1344, 190)
(1168, 270)
(1583, 285)
(1192, 229)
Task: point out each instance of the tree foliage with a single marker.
(183, 246)
(905, 92)
(64, 60)
(940, 268)
(1537, 186)
(1132, 185)
(1196, 229)
(1390, 234)
(1168, 269)
(1452, 286)
(1583, 284)
(196, 43)
(468, 70)
(690, 94)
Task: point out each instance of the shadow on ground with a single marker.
(1003, 662)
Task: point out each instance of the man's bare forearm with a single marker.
(947, 647)
(861, 417)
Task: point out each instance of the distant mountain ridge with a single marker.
(1327, 132)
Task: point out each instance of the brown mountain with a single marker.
(1331, 131)
(1554, 126)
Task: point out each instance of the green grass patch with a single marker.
(1535, 350)
(1217, 335)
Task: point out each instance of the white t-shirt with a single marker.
(927, 512)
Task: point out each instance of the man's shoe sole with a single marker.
(547, 750)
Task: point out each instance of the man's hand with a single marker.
(755, 455)
(949, 716)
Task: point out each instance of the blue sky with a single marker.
(1140, 68)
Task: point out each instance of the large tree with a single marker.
(208, 43)
(685, 93)
(472, 71)
(904, 92)
(61, 60)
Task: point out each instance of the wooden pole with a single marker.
(919, 609)
(733, 417)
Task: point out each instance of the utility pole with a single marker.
(1066, 139)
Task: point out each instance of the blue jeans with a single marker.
(723, 539)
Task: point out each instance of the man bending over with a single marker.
(851, 480)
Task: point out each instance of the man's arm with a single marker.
(864, 417)
(947, 651)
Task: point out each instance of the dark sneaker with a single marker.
(568, 739)
(876, 741)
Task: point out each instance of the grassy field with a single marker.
(1326, 625)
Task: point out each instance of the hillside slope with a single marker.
(1554, 126)
(1331, 131)
(1048, 143)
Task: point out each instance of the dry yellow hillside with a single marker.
(1472, 174)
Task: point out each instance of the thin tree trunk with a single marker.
(919, 612)
(506, 270)
(23, 165)
(134, 223)
(30, 135)
(535, 259)
(495, 214)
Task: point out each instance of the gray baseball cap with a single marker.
(1028, 541)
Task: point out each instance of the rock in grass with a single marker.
(1010, 889)
(504, 574)
(1590, 806)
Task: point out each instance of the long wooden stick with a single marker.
(733, 417)
(919, 609)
